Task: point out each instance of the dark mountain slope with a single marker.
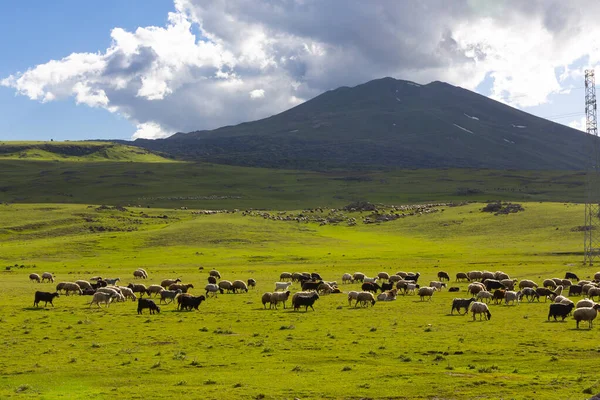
(389, 123)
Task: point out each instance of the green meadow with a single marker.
(233, 348)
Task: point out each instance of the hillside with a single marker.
(76, 151)
(389, 123)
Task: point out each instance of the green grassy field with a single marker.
(233, 348)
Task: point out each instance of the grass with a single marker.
(233, 348)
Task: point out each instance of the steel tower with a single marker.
(592, 203)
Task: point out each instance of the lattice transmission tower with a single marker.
(592, 203)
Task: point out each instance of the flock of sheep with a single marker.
(485, 287)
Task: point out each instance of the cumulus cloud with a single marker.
(214, 59)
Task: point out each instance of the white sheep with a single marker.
(279, 297)
(426, 291)
(484, 295)
(475, 288)
(285, 276)
(347, 278)
(364, 298)
(593, 292)
(371, 280)
(509, 284)
(144, 272)
(585, 303)
(558, 291)
(324, 288)
(410, 288)
(437, 285)
(154, 289)
(474, 275)
(481, 309)
(283, 286)
(127, 293)
(104, 298)
(83, 284)
(586, 314)
(352, 295)
(239, 285)
(358, 276)
(402, 274)
(168, 282)
(213, 289)
(69, 287)
(500, 276)
(47, 276)
(549, 283)
(169, 294)
(388, 295)
(383, 275)
(111, 281)
(527, 283)
(139, 274)
(226, 285)
(510, 296)
(35, 277)
(597, 276)
(395, 278)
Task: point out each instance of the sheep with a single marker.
(395, 278)
(509, 284)
(251, 282)
(99, 283)
(475, 288)
(413, 278)
(457, 304)
(212, 279)
(510, 296)
(453, 289)
(307, 300)
(498, 295)
(296, 276)
(266, 298)
(481, 309)
(352, 295)
(324, 288)
(111, 281)
(575, 290)
(184, 288)
(549, 283)
(285, 276)
(226, 285)
(364, 298)
(585, 303)
(239, 285)
(127, 293)
(388, 295)
(571, 276)
(558, 291)
(139, 274)
(474, 275)
(347, 278)
(46, 297)
(35, 277)
(437, 285)
(410, 288)
(279, 297)
(315, 276)
(487, 275)
(358, 276)
(84, 284)
(585, 288)
(566, 282)
(68, 287)
(387, 286)
(283, 286)
(105, 298)
(500, 276)
(138, 288)
(402, 274)
(530, 294)
(546, 293)
(149, 304)
(593, 292)
(212, 288)
(597, 276)
(426, 291)
(443, 276)
(215, 273)
(370, 287)
(370, 280)
(492, 284)
(383, 276)
(460, 276)
(189, 302)
(310, 285)
(169, 294)
(154, 289)
(109, 290)
(559, 310)
(527, 283)
(484, 295)
(168, 282)
(47, 276)
(586, 314)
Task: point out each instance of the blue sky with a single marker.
(201, 64)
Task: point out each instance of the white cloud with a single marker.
(202, 69)
(579, 124)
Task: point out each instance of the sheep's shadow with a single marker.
(457, 315)
(581, 329)
(551, 321)
(36, 308)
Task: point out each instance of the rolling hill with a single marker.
(389, 123)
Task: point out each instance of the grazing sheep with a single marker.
(285, 276)
(47, 276)
(364, 298)
(437, 285)
(352, 295)
(558, 291)
(487, 275)
(226, 285)
(484, 295)
(189, 302)
(410, 288)
(387, 286)
(510, 296)
(84, 284)
(586, 314)
(168, 282)
(358, 276)
(302, 299)
(69, 287)
(184, 288)
(239, 285)
(324, 288)
(212, 279)
(46, 297)
(571, 276)
(212, 288)
(492, 284)
(597, 276)
(593, 292)
(371, 287)
(566, 282)
(395, 278)
(498, 295)
(557, 281)
(530, 294)
(111, 281)
(315, 276)
(169, 294)
(549, 283)
(545, 293)
(279, 297)
(509, 284)
(383, 276)
(138, 288)
(127, 293)
(461, 276)
(527, 283)
(215, 273)
(559, 310)
(154, 289)
(585, 288)
(251, 282)
(99, 283)
(347, 278)
(149, 304)
(310, 285)
(413, 278)
(457, 304)
(266, 298)
(139, 274)
(585, 303)
(296, 276)
(35, 277)
(103, 298)
(283, 286)
(443, 276)
(474, 275)
(426, 291)
(109, 290)
(475, 288)
(481, 309)
(144, 272)
(370, 280)
(500, 276)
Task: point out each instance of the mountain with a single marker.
(389, 123)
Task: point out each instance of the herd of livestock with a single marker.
(484, 287)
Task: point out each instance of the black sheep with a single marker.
(189, 302)
(575, 290)
(387, 286)
(371, 287)
(305, 300)
(315, 277)
(572, 276)
(457, 304)
(443, 276)
(413, 278)
(492, 284)
(310, 285)
(149, 304)
(454, 289)
(544, 292)
(45, 297)
(560, 310)
(212, 279)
